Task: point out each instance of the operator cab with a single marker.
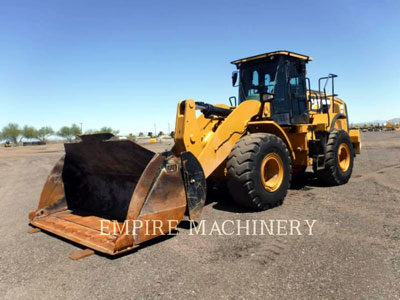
(279, 77)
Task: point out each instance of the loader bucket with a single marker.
(111, 196)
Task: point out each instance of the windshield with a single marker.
(255, 76)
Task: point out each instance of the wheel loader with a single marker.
(277, 126)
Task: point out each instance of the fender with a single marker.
(274, 128)
(338, 116)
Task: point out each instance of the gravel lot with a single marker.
(354, 252)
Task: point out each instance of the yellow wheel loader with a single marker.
(112, 195)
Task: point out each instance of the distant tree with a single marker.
(29, 132)
(161, 133)
(75, 129)
(172, 134)
(141, 134)
(90, 131)
(11, 132)
(65, 132)
(106, 129)
(69, 133)
(44, 132)
(150, 134)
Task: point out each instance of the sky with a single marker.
(126, 64)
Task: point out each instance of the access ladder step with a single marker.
(319, 162)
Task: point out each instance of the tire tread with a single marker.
(240, 168)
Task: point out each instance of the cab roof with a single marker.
(269, 54)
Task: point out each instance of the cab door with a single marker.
(281, 108)
(297, 93)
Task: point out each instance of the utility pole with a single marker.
(81, 128)
(155, 130)
(168, 129)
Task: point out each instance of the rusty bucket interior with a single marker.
(111, 195)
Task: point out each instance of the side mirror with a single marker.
(234, 77)
(267, 97)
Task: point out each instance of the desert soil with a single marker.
(354, 252)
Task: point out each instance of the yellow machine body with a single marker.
(102, 184)
(212, 139)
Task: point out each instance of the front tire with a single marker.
(339, 159)
(259, 171)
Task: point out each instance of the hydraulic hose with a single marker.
(211, 110)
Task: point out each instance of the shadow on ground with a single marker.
(219, 196)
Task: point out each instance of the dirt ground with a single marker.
(354, 252)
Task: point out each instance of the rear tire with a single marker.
(259, 171)
(338, 160)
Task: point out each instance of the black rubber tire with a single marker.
(244, 171)
(332, 174)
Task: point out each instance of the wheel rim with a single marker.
(272, 172)
(343, 157)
